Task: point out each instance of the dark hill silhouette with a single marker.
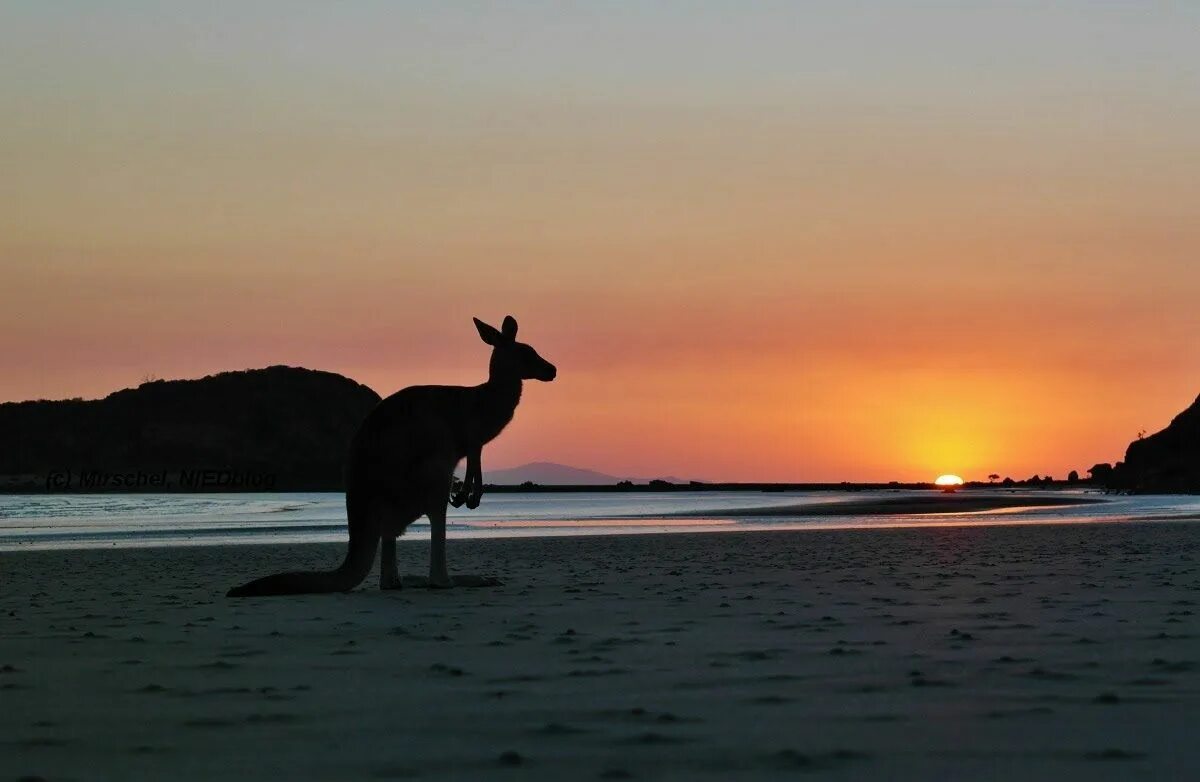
(548, 473)
(289, 426)
(1167, 461)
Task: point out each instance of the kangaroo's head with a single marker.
(512, 359)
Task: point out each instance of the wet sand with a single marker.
(1045, 652)
(934, 502)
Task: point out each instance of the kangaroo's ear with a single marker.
(488, 333)
(509, 327)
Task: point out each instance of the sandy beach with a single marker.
(1047, 652)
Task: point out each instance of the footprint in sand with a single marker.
(591, 672)
(519, 679)
(446, 670)
(559, 729)
(1115, 754)
(208, 722)
(791, 759)
(277, 718)
(652, 737)
(395, 772)
(41, 741)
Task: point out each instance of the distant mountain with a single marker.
(549, 473)
(1166, 461)
(279, 428)
(552, 474)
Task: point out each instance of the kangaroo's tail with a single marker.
(360, 555)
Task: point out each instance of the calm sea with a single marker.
(86, 521)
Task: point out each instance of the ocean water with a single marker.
(112, 520)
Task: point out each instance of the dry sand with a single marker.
(1050, 652)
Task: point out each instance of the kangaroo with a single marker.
(401, 465)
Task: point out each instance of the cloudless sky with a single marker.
(788, 241)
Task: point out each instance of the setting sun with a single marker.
(948, 481)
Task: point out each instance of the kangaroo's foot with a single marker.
(470, 581)
(390, 580)
(428, 582)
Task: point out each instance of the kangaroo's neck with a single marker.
(498, 399)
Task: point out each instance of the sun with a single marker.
(948, 482)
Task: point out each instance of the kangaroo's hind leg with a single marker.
(439, 576)
(399, 513)
(389, 576)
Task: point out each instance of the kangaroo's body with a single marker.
(402, 461)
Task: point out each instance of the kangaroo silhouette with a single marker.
(401, 465)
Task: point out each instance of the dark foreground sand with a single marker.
(1030, 653)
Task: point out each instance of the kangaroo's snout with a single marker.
(547, 373)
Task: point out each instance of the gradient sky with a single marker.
(778, 241)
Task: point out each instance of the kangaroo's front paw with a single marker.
(457, 499)
(473, 500)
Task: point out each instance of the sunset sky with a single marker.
(761, 241)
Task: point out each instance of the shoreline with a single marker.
(421, 536)
(935, 503)
(924, 510)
